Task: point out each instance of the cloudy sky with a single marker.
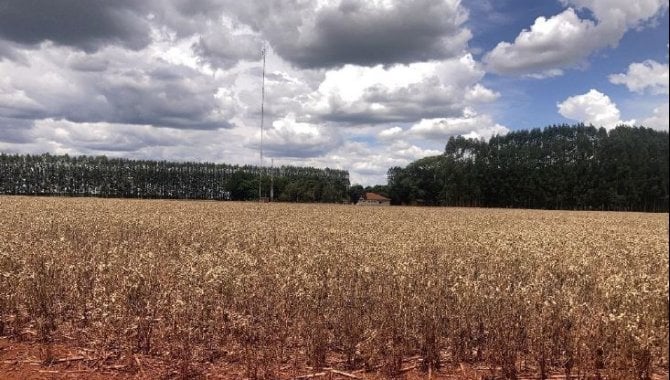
(360, 85)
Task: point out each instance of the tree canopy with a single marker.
(558, 167)
(115, 177)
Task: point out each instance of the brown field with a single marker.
(93, 288)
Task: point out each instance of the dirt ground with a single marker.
(26, 361)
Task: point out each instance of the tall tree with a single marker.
(558, 167)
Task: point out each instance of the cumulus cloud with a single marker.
(15, 131)
(390, 133)
(368, 164)
(175, 79)
(659, 119)
(84, 138)
(8, 51)
(566, 40)
(647, 76)
(471, 125)
(83, 24)
(286, 90)
(101, 137)
(373, 32)
(114, 86)
(613, 12)
(400, 93)
(290, 138)
(554, 42)
(313, 33)
(599, 110)
(594, 108)
(121, 140)
(222, 46)
(354, 84)
(480, 94)
(90, 25)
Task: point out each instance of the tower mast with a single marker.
(260, 171)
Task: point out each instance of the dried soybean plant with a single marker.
(279, 288)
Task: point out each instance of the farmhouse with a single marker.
(373, 199)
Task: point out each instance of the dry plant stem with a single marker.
(341, 289)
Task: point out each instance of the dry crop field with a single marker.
(235, 290)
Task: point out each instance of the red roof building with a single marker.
(373, 199)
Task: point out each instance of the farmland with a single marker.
(280, 291)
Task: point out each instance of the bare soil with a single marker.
(36, 361)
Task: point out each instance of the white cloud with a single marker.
(550, 43)
(346, 81)
(103, 137)
(644, 76)
(593, 107)
(599, 110)
(367, 164)
(410, 152)
(471, 125)
(112, 85)
(290, 138)
(400, 93)
(545, 74)
(565, 40)
(223, 46)
(481, 94)
(163, 103)
(617, 12)
(399, 146)
(659, 119)
(121, 140)
(390, 133)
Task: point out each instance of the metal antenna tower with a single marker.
(272, 181)
(260, 171)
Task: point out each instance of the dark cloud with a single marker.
(360, 32)
(186, 18)
(177, 79)
(8, 51)
(221, 48)
(88, 63)
(297, 149)
(86, 137)
(196, 8)
(425, 99)
(395, 110)
(85, 24)
(167, 96)
(115, 86)
(350, 31)
(15, 131)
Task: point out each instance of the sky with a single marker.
(359, 85)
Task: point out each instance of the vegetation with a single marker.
(288, 290)
(561, 167)
(356, 191)
(104, 177)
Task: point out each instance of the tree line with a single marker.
(558, 167)
(117, 177)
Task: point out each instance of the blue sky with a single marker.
(531, 103)
(360, 85)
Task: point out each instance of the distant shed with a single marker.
(373, 199)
